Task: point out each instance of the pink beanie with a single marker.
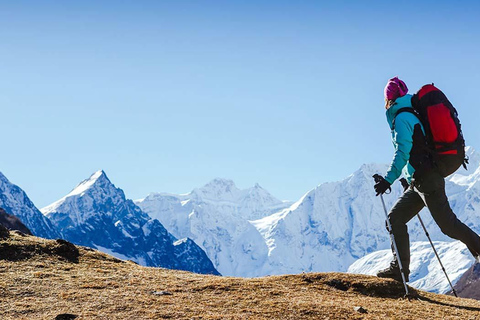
(395, 88)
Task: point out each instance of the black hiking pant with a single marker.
(428, 191)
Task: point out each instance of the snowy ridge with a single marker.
(465, 180)
(16, 202)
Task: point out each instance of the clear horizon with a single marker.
(166, 96)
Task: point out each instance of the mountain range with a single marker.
(249, 233)
(216, 216)
(98, 215)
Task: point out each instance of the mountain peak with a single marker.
(4, 180)
(218, 189)
(220, 183)
(98, 177)
(98, 174)
(261, 193)
(97, 183)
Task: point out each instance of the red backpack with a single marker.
(442, 128)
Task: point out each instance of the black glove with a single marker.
(405, 184)
(381, 185)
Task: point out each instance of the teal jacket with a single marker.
(402, 137)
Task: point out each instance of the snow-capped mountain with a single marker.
(425, 270)
(216, 217)
(97, 214)
(329, 227)
(250, 204)
(16, 202)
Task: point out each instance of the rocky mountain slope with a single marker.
(16, 202)
(11, 222)
(468, 286)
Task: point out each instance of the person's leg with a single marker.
(406, 207)
(432, 189)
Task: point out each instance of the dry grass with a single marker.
(41, 283)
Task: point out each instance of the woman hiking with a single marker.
(426, 184)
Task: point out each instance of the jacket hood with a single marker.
(402, 102)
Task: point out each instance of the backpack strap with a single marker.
(401, 110)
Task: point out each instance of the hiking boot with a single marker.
(393, 272)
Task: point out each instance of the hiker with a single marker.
(426, 184)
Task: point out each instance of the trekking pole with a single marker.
(438, 257)
(392, 238)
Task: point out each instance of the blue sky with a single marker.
(167, 95)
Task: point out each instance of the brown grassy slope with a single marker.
(40, 279)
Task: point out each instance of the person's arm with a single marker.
(402, 136)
